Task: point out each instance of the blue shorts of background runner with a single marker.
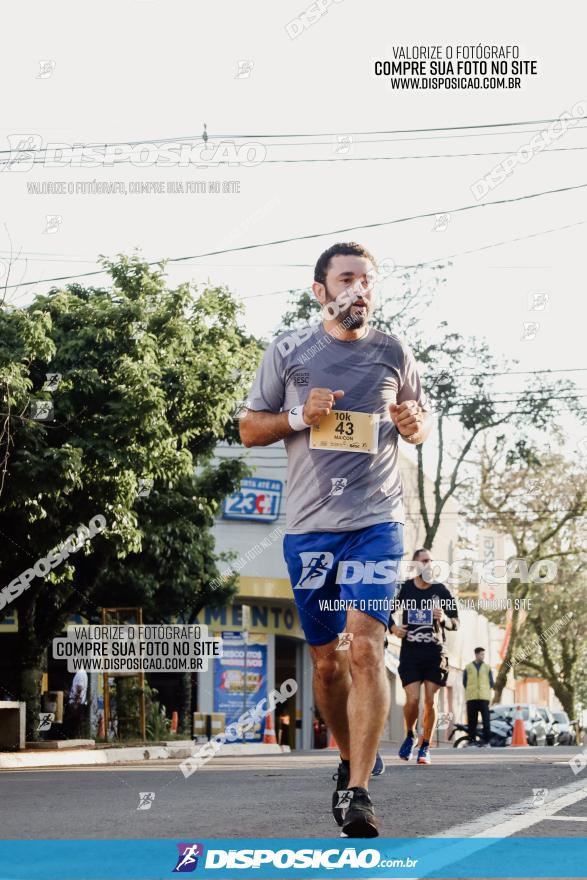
(314, 561)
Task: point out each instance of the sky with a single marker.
(152, 71)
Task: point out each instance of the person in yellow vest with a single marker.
(478, 682)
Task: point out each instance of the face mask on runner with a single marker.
(428, 573)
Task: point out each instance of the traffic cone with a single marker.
(332, 742)
(519, 734)
(174, 722)
(269, 735)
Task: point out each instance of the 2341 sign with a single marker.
(256, 499)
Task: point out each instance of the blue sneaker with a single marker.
(424, 754)
(379, 766)
(407, 747)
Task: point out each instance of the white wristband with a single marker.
(296, 419)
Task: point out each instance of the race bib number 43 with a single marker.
(345, 431)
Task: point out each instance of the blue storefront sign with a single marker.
(256, 499)
(229, 679)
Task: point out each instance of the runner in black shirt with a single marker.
(426, 609)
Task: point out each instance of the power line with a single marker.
(392, 158)
(212, 137)
(322, 234)
(405, 130)
(488, 247)
(531, 372)
(24, 255)
(397, 140)
(445, 257)
(55, 257)
(535, 393)
(517, 412)
(458, 410)
(308, 161)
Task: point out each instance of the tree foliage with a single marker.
(149, 380)
(538, 499)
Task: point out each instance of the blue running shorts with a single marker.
(331, 572)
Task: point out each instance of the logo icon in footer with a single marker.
(187, 861)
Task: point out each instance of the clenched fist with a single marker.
(407, 417)
(319, 404)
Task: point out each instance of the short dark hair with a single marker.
(417, 553)
(346, 248)
(477, 650)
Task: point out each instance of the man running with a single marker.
(427, 610)
(339, 393)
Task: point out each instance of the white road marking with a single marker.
(505, 823)
(517, 817)
(566, 819)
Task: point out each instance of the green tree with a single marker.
(150, 377)
(462, 379)
(553, 640)
(538, 499)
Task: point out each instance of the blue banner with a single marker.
(229, 678)
(275, 858)
(257, 499)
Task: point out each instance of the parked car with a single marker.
(550, 722)
(534, 724)
(566, 733)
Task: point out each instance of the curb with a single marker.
(100, 757)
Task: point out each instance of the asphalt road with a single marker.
(461, 794)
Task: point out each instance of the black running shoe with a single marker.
(359, 819)
(340, 798)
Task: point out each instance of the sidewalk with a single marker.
(97, 755)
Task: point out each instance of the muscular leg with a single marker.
(332, 683)
(430, 691)
(411, 705)
(369, 697)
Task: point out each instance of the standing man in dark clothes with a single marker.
(478, 682)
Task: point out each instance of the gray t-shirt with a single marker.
(334, 491)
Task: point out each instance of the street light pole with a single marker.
(246, 619)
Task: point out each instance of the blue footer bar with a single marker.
(227, 859)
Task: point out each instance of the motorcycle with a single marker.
(501, 734)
